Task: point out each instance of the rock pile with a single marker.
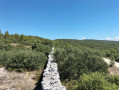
(51, 78)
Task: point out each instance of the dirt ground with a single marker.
(25, 81)
(17, 81)
(112, 70)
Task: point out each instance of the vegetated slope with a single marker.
(22, 54)
(20, 58)
(96, 44)
(81, 66)
(109, 48)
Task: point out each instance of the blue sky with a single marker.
(54, 19)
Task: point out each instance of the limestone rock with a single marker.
(51, 78)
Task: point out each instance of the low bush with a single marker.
(5, 47)
(112, 63)
(95, 81)
(74, 61)
(113, 79)
(41, 48)
(21, 60)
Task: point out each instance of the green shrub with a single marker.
(95, 81)
(113, 79)
(117, 58)
(42, 48)
(5, 47)
(71, 85)
(73, 62)
(24, 60)
(2, 58)
(112, 63)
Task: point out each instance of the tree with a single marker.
(35, 44)
(16, 36)
(1, 35)
(6, 35)
(21, 37)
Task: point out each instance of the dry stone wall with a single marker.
(51, 78)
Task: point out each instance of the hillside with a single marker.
(96, 44)
(109, 48)
(82, 67)
(22, 58)
(81, 64)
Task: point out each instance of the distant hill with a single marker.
(97, 44)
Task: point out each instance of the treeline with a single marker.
(23, 53)
(93, 44)
(81, 65)
(23, 39)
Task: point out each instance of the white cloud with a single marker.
(83, 38)
(113, 39)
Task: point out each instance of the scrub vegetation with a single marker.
(80, 62)
(23, 53)
(81, 65)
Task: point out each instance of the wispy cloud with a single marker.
(113, 39)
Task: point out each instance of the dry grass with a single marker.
(17, 44)
(17, 81)
(14, 44)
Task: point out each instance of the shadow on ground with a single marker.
(38, 84)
